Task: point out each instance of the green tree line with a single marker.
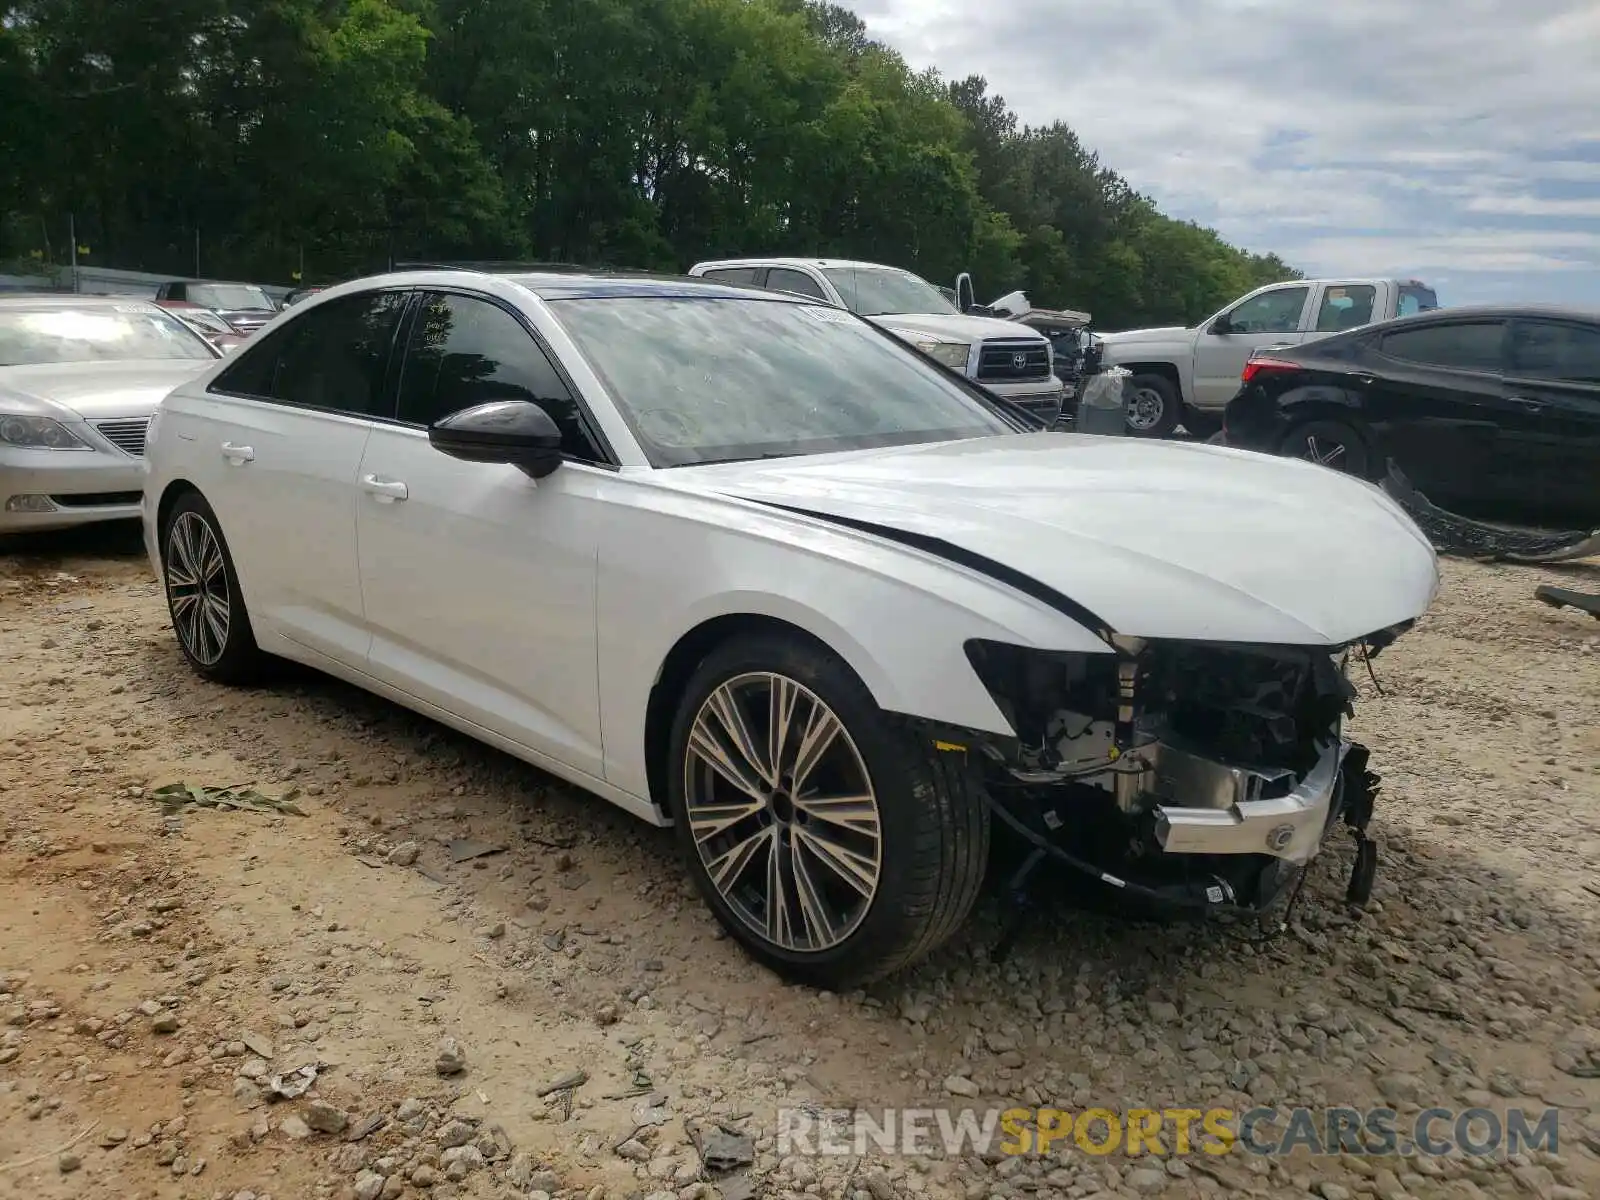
(333, 136)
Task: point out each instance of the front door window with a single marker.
(1271, 312)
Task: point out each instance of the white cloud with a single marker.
(1369, 135)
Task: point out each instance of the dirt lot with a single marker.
(157, 971)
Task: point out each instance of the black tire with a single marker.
(225, 650)
(932, 819)
(1332, 444)
(1154, 407)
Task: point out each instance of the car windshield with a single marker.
(113, 333)
(719, 380)
(229, 296)
(881, 291)
(206, 319)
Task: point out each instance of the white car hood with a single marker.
(1157, 539)
(1166, 333)
(94, 389)
(957, 326)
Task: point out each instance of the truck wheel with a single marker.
(1154, 407)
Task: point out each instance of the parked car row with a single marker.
(1009, 359)
(1187, 376)
(79, 378)
(1491, 411)
(225, 314)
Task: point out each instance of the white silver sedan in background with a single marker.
(756, 568)
(79, 378)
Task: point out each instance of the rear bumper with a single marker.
(1251, 421)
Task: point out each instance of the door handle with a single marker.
(386, 490)
(237, 454)
(1527, 404)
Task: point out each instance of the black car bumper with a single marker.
(1251, 421)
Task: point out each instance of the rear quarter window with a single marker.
(731, 274)
(1462, 345)
(1415, 298)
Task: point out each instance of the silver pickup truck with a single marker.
(1187, 376)
(1004, 357)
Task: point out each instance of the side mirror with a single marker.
(1221, 325)
(966, 299)
(507, 431)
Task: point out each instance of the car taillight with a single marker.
(1257, 367)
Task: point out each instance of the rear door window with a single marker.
(1556, 350)
(1345, 306)
(1415, 298)
(331, 357)
(1461, 345)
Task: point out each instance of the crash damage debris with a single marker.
(465, 850)
(1185, 775)
(564, 1083)
(292, 1084)
(1466, 538)
(173, 798)
(723, 1150)
(1555, 597)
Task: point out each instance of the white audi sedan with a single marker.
(753, 567)
(79, 378)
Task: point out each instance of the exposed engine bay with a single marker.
(1203, 774)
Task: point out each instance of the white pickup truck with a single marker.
(1004, 357)
(1187, 376)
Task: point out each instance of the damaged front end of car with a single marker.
(1192, 774)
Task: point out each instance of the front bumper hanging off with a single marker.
(1279, 835)
(1290, 827)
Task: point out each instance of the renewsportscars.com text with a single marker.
(1434, 1132)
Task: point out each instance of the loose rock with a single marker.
(451, 1059)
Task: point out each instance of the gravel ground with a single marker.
(507, 988)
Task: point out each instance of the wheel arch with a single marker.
(170, 496)
(678, 668)
(1321, 403)
(1168, 371)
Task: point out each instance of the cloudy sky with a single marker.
(1455, 140)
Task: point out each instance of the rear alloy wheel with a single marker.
(1154, 409)
(1331, 444)
(834, 845)
(203, 597)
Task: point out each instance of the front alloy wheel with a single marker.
(836, 843)
(782, 811)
